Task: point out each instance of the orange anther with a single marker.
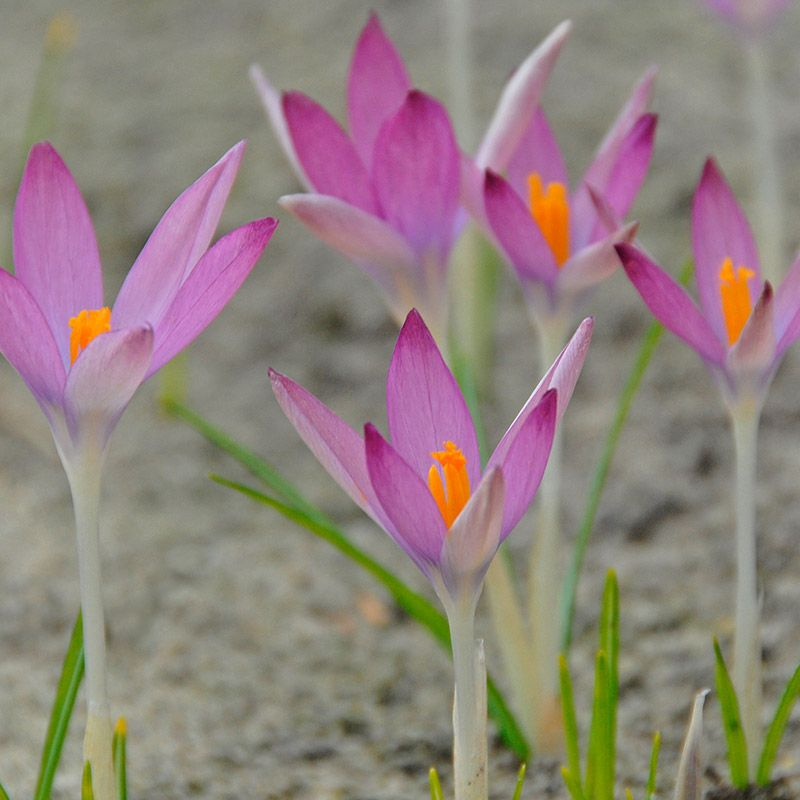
(85, 327)
(451, 495)
(735, 293)
(550, 210)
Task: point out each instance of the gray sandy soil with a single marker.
(247, 657)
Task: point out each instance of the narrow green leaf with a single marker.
(413, 603)
(520, 782)
(609, 643)
(631, 386)
(650, 791)
(628, 793)
(64, 702)
(436, 787)
(3, 793)
(597, 769)
(731, 720)
(572, 783)
(87, 793)
(119, 755)
(571, 735)
(777, 728)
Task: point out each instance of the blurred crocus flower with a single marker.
(386, 194)
(742, 328)
(83, 360)
(751, 17)
(560, 242)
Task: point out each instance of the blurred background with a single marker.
(250, 660)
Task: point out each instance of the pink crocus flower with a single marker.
(560, 243)
(751, 17)
(386, 194)
(83, 360)
(741, 328)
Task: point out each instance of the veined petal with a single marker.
(594, 263)
(216, 278)
(424, 406)
(516, 231)
(273, 105)
(28, 344)
(325, 152)
(719, 231)
(334, 443)
(670, 305)
(356, 234)
(519, 97)
(103, 379)
(377, 85)
(755, 351)
(55, 249)
(176, 245)
(474, 537)
(416, 523)
(538, 152)
(416, 172)
(523, 458)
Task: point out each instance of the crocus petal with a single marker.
(360, 236)
(424, 406)
(516, 231)
(334, 443)
(273, 105)
(755, 351)
(538, 152)
(520, 95)
(417, 525)
(523, 458)
(787, 298)
(326, 153)
(594, 263)
(211, 284)
(474, 537)
(55, 250)
(176, 245)
(416, 172)
(103, 379)
(789, 336)
(377, 85)
(719, 231)
(671, 305)
(28, 344)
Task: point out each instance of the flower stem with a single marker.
(747, 641)
(469, 705)
(84, 474)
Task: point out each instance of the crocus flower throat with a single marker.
(735, 293)
(452, 495)
(86, 326)
(550, 210)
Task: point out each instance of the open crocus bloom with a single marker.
(560, 243)
(386, 195)
(742, 328)
(424, 486)
(81, 359)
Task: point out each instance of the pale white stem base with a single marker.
(747, 638)
(97, 751)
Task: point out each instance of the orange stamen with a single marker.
(736, 304)
(550, 210)
(85, 327)
(452, 494)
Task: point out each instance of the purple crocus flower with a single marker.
(742, 328)
(424, 485)
(83, 361)
(386, 195)
(560, 243)
(751, 17)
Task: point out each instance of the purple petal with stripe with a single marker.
(176, 245)
(325, 152)
(719, 230)
(416, 172)
(670, 305)
(377, 86)
(211, 284)
(594, 263)
(55, 249)
(424, 406)
(538, 152)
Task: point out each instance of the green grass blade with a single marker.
(777, 728)
(609, 644)
(571, 735)
(64, 702)
(414, 604)
(436, 786)
(650, 791)
(597, 785)
(87, 792)
(573, 784)
(731, 720)
(120, 756)
(3, 793)
(570, 586)
(520, 782)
